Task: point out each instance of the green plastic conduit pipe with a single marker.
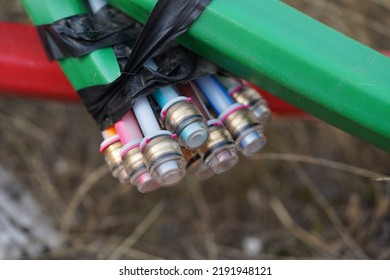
(294, 57)
(97, 68)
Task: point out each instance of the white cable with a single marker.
(145, 117)
(96, 5)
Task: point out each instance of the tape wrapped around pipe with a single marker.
(133, 45)
(82, 34)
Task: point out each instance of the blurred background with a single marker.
(314, 192)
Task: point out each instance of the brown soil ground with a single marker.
(314, 192)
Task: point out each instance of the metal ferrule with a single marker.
(219, 152)
(219, 139)
(244, 128)
(136, 168)
(191, 157)
(196, 166)
(112, 156)
(134, 164)
(179, 114)
(160, 149)
(257, 104)
(239, 121)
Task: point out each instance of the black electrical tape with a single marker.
(109, 103)
(82, 34)
(169, 18)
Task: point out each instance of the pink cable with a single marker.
(128, 128)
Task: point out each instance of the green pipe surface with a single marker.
(294, 57)
(97, 68)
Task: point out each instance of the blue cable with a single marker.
(215, 93)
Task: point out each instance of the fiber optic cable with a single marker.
(236, 117)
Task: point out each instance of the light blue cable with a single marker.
(164, 95)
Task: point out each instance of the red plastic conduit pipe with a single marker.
(25, 70)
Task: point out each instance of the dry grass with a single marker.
(315, 192)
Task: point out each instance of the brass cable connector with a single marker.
(111, 149)
(255, 102)
(196, 166)
(219, 151)
(181, 117)
(244, 128)
(163, 157)
(136, 168)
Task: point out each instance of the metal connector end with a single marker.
(219, 152)
(163, 157)
(136, 168)
(196, 166)
(257, 104)
(111, 149)
(245, 129)
(181, 117)
(123, 177)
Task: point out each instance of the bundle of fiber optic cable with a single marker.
(163, 111)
